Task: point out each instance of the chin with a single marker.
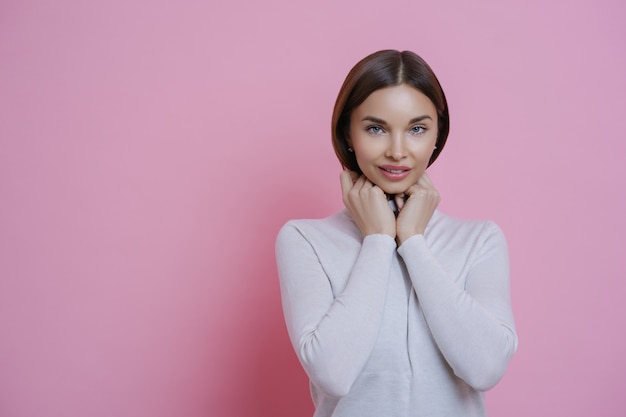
(393, 189)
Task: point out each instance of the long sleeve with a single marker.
(471, 321)
(333, 330)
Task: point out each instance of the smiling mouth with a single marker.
(394, 169)
(394, 173)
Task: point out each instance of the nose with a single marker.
(397, 147)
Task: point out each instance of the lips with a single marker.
(394, 172)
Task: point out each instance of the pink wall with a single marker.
(150, 150)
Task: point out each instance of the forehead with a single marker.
(397, 101)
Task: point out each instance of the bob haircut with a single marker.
(382, 69)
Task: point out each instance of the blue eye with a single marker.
(418, 129)
(375, 129)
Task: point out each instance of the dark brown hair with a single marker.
(379, 70)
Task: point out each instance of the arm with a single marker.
(472, 326)
(333, 337)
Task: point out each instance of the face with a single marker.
(393, 135)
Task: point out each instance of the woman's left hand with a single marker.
(417, 209)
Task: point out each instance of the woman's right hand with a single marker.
(367, 205)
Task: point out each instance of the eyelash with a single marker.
(422, 129)
(371, 129)
(376, 130)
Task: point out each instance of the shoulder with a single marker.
(444, 222)
(332, 243)
(463, 232)
(336, 226)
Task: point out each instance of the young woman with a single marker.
(393, 308)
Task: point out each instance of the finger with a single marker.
(354, 175)
(346, 182)
(364, 184)
(358, 183)
(399, 199)
(425, 181)
(411, 190)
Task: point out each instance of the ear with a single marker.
(348, 141)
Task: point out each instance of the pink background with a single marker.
(150, 151)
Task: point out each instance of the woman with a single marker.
(393, 308)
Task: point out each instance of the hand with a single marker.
(367, 205)
(416, 211)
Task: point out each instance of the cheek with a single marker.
(360, 147)
(365, 159)
(365, 154)
(423, 148)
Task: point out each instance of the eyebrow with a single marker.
(382, 122)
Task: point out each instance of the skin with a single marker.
(393, 135)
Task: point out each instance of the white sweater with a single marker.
(382, 331)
